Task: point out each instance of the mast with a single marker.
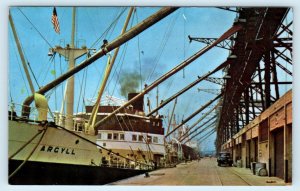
(71, 53)
(162, 13)
(148, 104)
(70, 86)
(157, 99)
(170, 120)
(109, 66)
(21, 53)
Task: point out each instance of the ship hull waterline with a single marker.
(42, 173)
(59, 159)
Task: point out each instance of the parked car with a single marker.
(224, 158)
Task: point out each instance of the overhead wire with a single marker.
(35, 28)
(111, 26)
(106, 31)
(20, 68)
(139, 50)
(123, 56)
(93, 143)
(162, 46)
(127, 127)
(119, 64)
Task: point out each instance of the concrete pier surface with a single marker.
(205, 172)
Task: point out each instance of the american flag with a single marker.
(55, 22)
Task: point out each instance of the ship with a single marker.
(178, 151)
(66, 150)
(74, 157)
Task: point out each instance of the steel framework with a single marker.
(262, 65)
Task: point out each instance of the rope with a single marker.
(81, 87)
(132, 129)
(139, 51)
(83, 96)
(163, 45)
(184, 28)
(124, 132)
(106, 31)
(30, 154)
(55, 88)
(121, 60)
(99, 81)
(35, 28)
(18, 61)
(33, 74)
(108, 150)
(47, 72)
(23, 146)
(145, 140)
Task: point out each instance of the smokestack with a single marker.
(138, 104)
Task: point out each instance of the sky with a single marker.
(5, 76)
(147, 56)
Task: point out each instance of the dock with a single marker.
(202, 173)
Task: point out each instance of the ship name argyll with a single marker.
(60, 150)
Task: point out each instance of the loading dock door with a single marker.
(248, 153)
(255, 149)
(278, 148)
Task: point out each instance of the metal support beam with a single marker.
(215, 80)
(246, 97)
(274, 72)
(194, 114)
(267, 80)
(226, 44)
(197, 128)
(204, 137)
(198, 121)
(205, 128)
(260, 87)
(185, 63)
(187, 88)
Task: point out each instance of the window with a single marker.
(157, 124)
(122, 137)
(155, 140)
(109, 136)
(116, 136)
(153, 123)
(133, 137)
(99, 136)
(149, 139)
(104, 144)
(141, 138)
